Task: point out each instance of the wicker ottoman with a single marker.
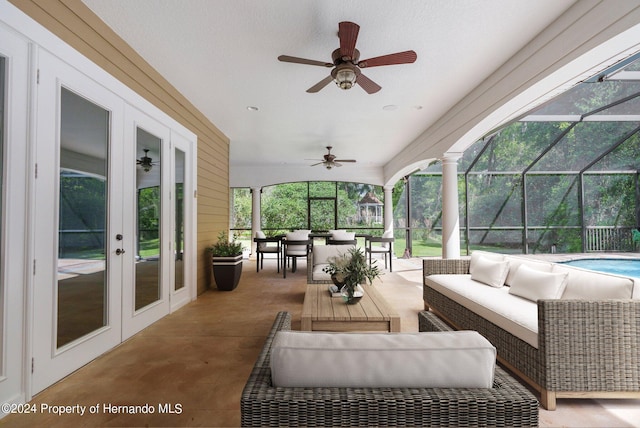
(507, 404)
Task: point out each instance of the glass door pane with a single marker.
(82, 215)
(179, 218)
(148, 181)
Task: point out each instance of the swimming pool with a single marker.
(624, 267)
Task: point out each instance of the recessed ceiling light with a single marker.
(252, 108)
(390, 107)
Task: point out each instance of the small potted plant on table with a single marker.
(226, 258)
(351, 269)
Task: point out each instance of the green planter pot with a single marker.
(227, 271)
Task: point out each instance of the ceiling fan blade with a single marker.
(367, 84)
(296, 60)
(348, 34)
(334, 163)
(344, 160)
(405, 57)
(319, 163)
(321, 84)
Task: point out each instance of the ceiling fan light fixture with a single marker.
(345, 77)
(346, 60)
(145, 162)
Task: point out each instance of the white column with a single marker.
(388, 208)
(255, 215)
(450, 217)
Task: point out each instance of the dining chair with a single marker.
(384, 245)
(295, 245)
(266, 245)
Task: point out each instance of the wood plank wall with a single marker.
(77, 25)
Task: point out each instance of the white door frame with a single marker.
(14, 280)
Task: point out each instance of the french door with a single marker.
(105, 233)
(147, 190)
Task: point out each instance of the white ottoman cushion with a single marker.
(459, 359)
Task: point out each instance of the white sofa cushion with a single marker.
(462, 359)
(511, 313)
(590, 285)
(489, 272)
(321, 255)
(534, 285)
(318, 274)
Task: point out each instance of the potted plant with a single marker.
(351, 270)
(226, 258)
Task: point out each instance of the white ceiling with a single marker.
(222, 55)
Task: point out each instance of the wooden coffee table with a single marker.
(320, 311)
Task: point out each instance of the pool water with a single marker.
(624, 267)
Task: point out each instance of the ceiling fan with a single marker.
(330, 160)
(146, 162)
(346, 62)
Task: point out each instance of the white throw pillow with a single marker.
(515, 262)
(487, 255)
(490, 272)
(323, 254)
(534, 285)
(459, 359)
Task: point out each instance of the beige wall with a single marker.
(74, 23)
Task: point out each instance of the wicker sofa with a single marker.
(508, 403)
(586, 347)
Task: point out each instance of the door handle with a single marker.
(119, 251)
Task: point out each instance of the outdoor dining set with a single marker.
(299, 243)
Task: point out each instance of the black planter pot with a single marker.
(227, 271)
